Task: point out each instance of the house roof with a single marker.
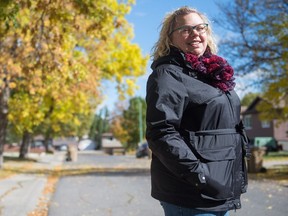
(252, 107)
(108, 143)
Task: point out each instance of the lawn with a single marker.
(281, 155)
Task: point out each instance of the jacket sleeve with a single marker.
(166, 99)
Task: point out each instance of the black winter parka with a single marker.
(197, 141)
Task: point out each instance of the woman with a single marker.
(193, 121)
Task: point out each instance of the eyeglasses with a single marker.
(187, 30)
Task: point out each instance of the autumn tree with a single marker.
(134, 122)
(118, 130)
(257, 41)
(8, 9)
(55, 58)
(99, 126)
(116, 120)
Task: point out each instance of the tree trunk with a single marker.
(3, 127)
(47, 139)
(4, 96)
(24, 148)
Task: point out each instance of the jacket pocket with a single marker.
(219, 165)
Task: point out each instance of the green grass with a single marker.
(278, 174)
(17, 159)
(281, 155)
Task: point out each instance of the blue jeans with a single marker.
(174, 210)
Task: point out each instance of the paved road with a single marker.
(119, 192)
(264, 198)
(123, 190)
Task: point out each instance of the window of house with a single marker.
(247, 121)
(265, 124)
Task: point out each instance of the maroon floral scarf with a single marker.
(213, 69)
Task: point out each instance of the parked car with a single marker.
(143, 151)
(38, 144)
(61, 147)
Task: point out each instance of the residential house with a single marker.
(111, 145)
(259, 128)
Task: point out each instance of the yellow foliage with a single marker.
(131, 85)
(12, 85)
(275, 101)
(118, 131)
(57, 55)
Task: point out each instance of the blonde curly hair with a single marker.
(162, 46)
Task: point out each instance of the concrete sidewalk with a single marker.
(20, 194)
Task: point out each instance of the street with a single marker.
(123, 188)
(108, 193)
(264, 198)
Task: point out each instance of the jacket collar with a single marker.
(175, 57)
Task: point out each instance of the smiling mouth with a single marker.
(193, 44)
